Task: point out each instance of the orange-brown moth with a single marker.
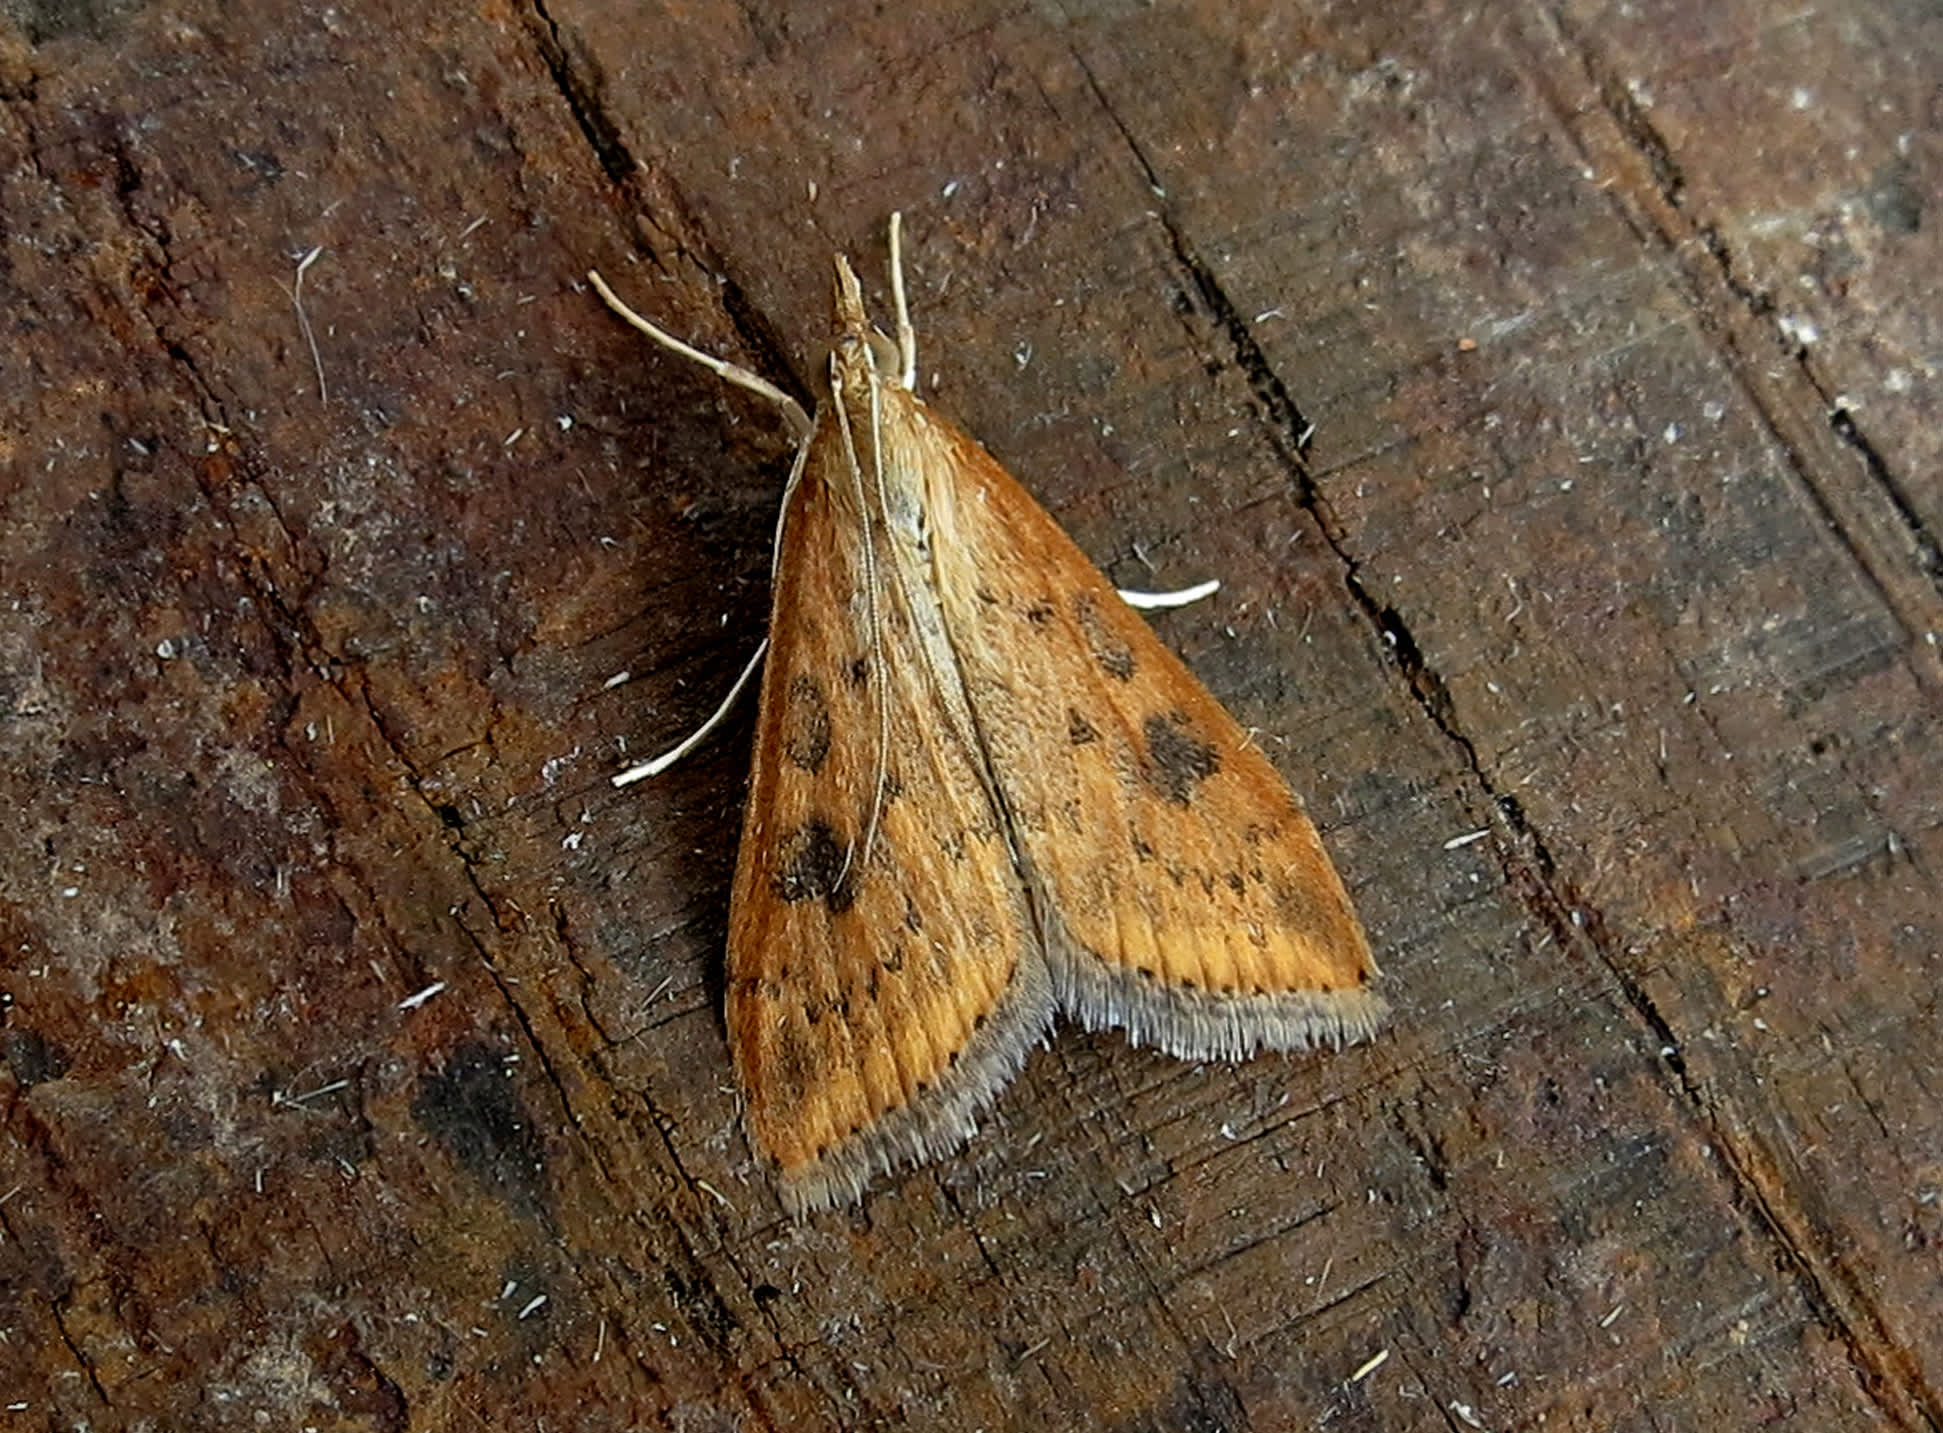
(983, 795)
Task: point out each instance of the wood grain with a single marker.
(1604, 603)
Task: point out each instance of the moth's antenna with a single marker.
(907, 336)
(798, 420)
(873, 606)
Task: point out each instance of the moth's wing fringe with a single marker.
(1207, 1025)
(943, 1119)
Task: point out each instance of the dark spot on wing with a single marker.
(1296, 903)
(1113, 655)
(796, 1059)
(1039, 613)
(809, 866)
(1177, 760)
(1079, 731)
(859, 671)
(806, 723)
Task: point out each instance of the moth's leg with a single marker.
(793, 414)
(696, 737)
(907, 337)
(1152, 601)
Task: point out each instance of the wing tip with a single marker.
(938, 1121)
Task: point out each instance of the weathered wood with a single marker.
(1616, 550)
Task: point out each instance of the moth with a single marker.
(984, 795)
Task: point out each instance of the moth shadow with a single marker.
(688, 615)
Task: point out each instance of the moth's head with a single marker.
(861, 353)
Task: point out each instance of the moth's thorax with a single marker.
(861, 359)
(875, 422)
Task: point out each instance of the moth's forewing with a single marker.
(878, 999)
(1184, 893)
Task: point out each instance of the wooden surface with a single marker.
(1617, 551)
